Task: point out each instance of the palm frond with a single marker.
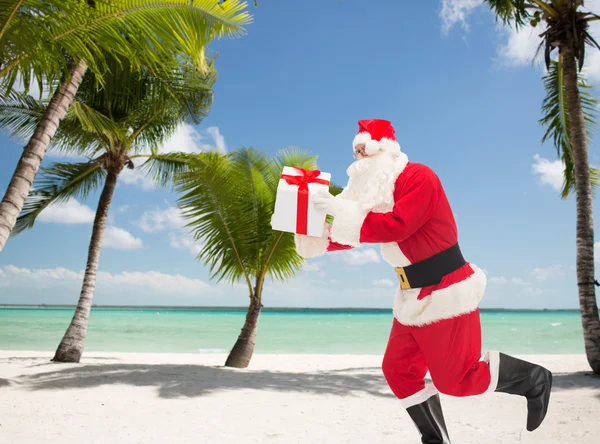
(555, 117)
(252, 168)
(20, 114)
(8, 9)
(57, 183)
(335, 189)
(43, 36)
(145, 109)
(228, 201)
(93, 121)
(210, 200)
(282, 260)
(162, 169)
(511, 11)
(292, 157)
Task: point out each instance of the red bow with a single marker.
(308, 176)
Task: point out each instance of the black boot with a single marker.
(429, 419)
(523, 378)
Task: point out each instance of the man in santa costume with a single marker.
(436, 327)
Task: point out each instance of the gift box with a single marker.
(294, 212)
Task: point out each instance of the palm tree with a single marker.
(556, 119)
(56, 41)
(113, 134)
(566, 31)
(228, 201)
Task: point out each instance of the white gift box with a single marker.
(285, 216)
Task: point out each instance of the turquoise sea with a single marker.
(185, 330)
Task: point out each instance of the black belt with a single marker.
(431, 270)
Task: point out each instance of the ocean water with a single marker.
(176, 330)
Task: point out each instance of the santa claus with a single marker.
(436, 327)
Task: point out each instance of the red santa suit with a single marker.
(435, 328)
(403, 207)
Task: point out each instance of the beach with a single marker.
(279, 398)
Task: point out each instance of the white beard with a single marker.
(372, 179)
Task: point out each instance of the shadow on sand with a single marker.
(186, 380)
(173, 381)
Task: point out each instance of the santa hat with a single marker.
(376, 134)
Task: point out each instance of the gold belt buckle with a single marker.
(404, 284)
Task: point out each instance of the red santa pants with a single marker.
(450, 349)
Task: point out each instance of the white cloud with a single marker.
(361, 257)
(311, 266)
(151, 281)
(157, 220)
(170, 219)
(67, 212)
(133, 177)
(383, 283)
(500, 280)
(186, 242)
(532, 291)
(120, 239)
(548, 273)
(34, 88)
(597, 252)
(519, 48)
(591, 68)
(185, 139)
(550, 171)
(219, 140)
(189, 140)
(457, 12)
(58, 273)
(592, 56)
(155, 281)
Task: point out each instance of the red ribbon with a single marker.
(307, 176)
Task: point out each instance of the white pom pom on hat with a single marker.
(371, 147)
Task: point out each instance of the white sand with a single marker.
(169, 398)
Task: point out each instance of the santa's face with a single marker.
(359, 151)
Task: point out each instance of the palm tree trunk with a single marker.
(242, 351)
(34, 151)
(70, 348)
(585, 224)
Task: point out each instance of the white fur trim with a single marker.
(363, 137)
(393, 255)
(455, 300)
(372, 147)
(419, 397)
(311, 246)
(400, 164)
(390, 146)
(348, 221)
(493, 360)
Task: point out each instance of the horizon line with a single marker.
(235, 307)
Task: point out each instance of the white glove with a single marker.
(324, 203)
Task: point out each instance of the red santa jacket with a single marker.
(419, 225)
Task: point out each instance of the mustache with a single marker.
(360, 166)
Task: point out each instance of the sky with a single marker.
(464, 95)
